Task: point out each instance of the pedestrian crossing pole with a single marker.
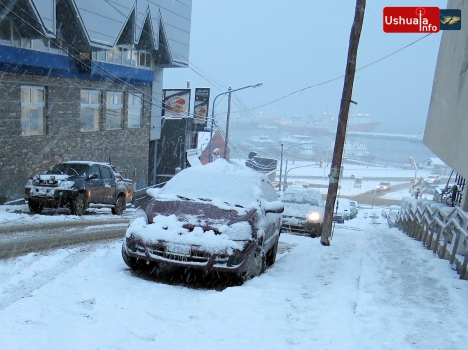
(334, 176)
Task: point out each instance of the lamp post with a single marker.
(287, 159)
(230, 91)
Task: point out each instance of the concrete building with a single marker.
(447, 122)
(82, 79)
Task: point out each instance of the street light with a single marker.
(230, 91)
(287, 159)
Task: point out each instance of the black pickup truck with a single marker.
(76, 184)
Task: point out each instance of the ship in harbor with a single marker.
(323, 124)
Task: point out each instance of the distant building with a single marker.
(217, 149)
(447, 123)
(83, 80)
(436, 165)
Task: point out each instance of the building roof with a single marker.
(436, 161)
(106, 23)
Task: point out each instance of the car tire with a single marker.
(79, 205)
(256, 265)
(120, 206)
(132, 263)
(271, 255)
(35, 207)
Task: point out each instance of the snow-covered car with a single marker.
(76, 184)
(342, 210)
(430, 188)
(432, 179)
(215, 217)
(354, 208)
(384, 186)
(392, 215)
(303, 211)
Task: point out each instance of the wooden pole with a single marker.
(342, 122)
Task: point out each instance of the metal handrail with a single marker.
(439, 227)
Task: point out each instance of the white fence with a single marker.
(440, 228)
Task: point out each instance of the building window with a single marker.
(32, 110)
(40, 45)
(123, 55)
(90, 110)
(145, 59)
(135, 107)
(114, 110)
(118, 55)
(5, 32)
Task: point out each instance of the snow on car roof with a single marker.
(88, 162)
(223, 183)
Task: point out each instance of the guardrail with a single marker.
(440, 228)
(140, 197)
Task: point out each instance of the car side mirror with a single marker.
(93, 176)
(276, 207)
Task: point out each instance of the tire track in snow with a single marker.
(20, 277)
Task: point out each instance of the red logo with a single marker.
(411, 19)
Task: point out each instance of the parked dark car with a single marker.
(76, 184)
(342, 210)
(384, 186)
(215, 217)
(303, 211)
(354, 208)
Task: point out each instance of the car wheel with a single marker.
(35, 207)
(79, 204)
(132, 263)
(119, 206)
(271, 255)
(256, 265)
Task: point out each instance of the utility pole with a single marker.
(227, 122)
(342, 122)
(281, 167)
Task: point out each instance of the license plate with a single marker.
(178, 249)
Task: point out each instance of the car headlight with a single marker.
(67, 184)
(29, 183)
(139, 213)
(314, 216)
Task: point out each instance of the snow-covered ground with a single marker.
(373, 288)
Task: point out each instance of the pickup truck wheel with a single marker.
(119, 206)
(79, 204)
(35, 207)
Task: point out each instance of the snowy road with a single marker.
(373, 288)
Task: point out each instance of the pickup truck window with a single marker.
(94, 170)
(105, 173)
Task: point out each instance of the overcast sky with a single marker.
(296, 44)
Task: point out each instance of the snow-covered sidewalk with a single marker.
(373, 288)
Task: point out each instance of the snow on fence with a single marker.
(440, 228)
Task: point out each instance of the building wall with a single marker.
(447, 123)
(25, 156)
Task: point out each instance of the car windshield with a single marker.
(72, 169)
(301, 198)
